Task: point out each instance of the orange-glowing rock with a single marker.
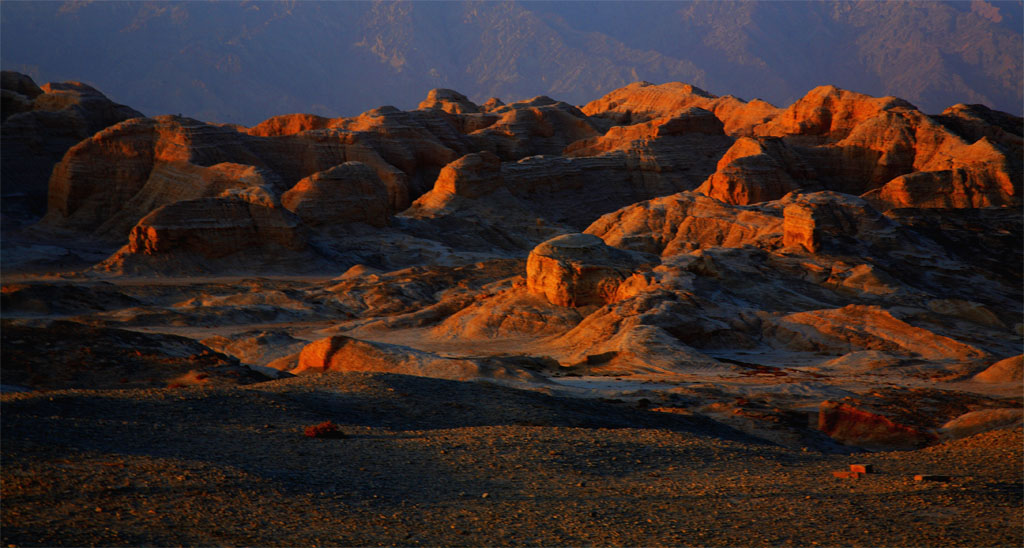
(577, 270)
(341, 353)
(1008, 370)
(348, 193)
(688, 221)
(471, 176)
(830, 112)
(214, 227)
(757, 170)
(641, 102)
(812, 221)
(288, 124)
(859, 327)
(852, 426)
(449, 101)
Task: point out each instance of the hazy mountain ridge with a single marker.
(242, 62)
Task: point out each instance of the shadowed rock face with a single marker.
(52, 357)
(857, 427)
(39, 125)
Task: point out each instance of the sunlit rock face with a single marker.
(348, 193)
(578, 270)
(471, 176)
(449, 101)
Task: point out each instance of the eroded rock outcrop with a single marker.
(288, 124)
(688, 221)
(449, 101)
(857, 327)
(225, 233)
(340, 353)
(471, 176)
(852, 426)
(1008, 370)
(39, 125)
(348, 193)
(815, 221)
(758, 170)
(515, 312)
(578, 270)
(828, 112)
(643, 101)
(537, 126)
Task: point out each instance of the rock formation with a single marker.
(578, 270)
(1007, 370)
(643, 101)
(39, 125)
(341, 353)
(659, 231)
(686, 222)
(65, 355)
(449, 101)
(758, 170)
(347, 193)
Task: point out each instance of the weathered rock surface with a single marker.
(212, 234)
(449, 101)
(39, 125)
(829, 112)
(537, 126)
(819, 220)
(850, 425)
(857, 327)
(959, 188)
(510, 313)
(257, 347)
(758, 170)
(578, 270)
(976, 422)
(643, 101)
(340, 353)
(288, 124)
(1008, 370)
(687, 221)
(471, 176)
(348, 193)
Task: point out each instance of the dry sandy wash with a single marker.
(662, 318)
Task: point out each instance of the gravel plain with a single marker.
(432, 462)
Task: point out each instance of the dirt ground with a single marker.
(435, 462)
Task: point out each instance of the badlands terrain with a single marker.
(663, 317)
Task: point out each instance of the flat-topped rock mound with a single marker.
(578, 270)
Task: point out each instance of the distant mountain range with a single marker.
(243, 62)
